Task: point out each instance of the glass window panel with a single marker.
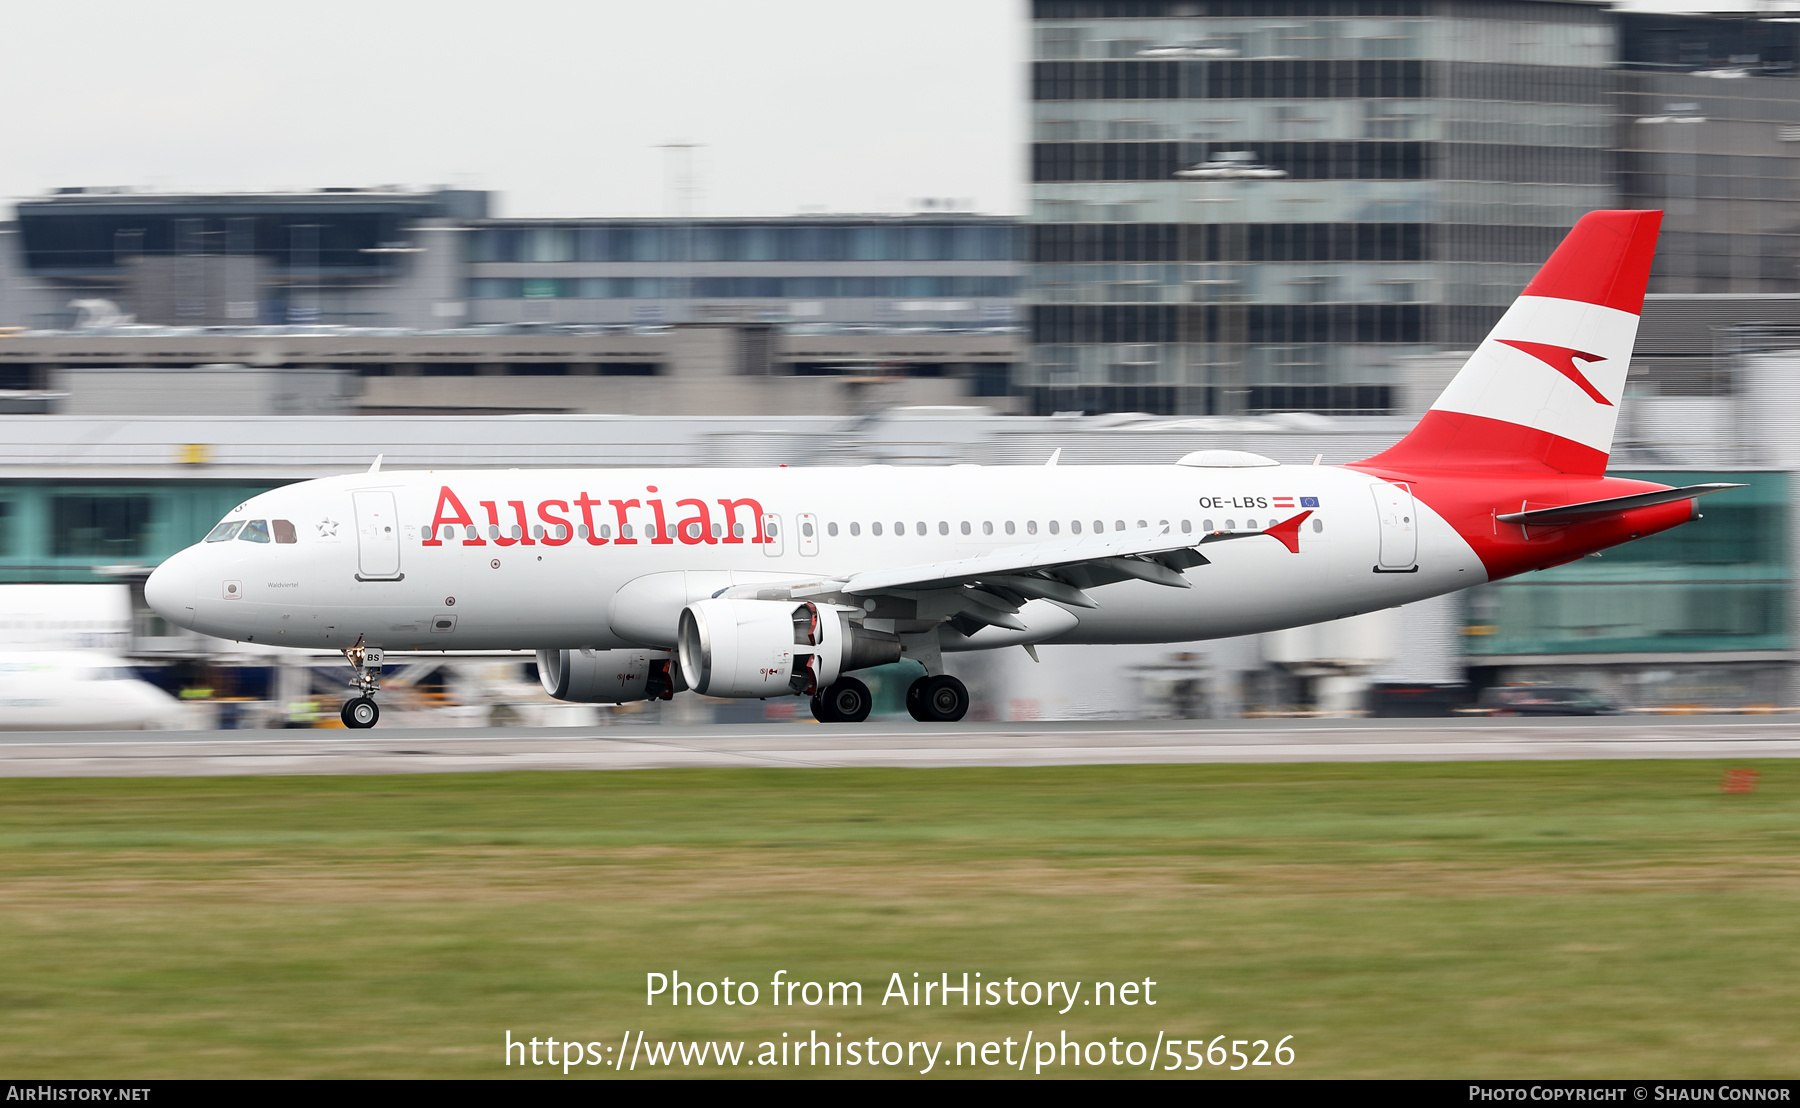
(542, 288)
(590, 245)
(100, 526)
(257, 530)
(968, 242)
(760, 244)
(549, 244)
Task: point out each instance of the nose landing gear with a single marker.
(360, 712)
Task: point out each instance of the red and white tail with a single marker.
(1542, 392)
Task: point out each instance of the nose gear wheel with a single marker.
(360, 713)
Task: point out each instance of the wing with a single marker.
(989, 589)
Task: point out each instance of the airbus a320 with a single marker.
(635, 584)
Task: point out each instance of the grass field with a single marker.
(1517, 919)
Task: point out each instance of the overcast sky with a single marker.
(836, 105)
(559, 105)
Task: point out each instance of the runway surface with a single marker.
(885, 743)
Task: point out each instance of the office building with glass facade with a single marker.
(1261, 207)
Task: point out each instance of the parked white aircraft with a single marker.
(636, 583)
(63, 690)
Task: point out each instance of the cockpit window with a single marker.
(257, 530)
(226, 530)
(284, 530)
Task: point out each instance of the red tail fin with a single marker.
(1542, 392)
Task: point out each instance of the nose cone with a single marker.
(171, 587)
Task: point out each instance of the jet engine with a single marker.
(608, 676)
(763, 648)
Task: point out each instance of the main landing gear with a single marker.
(848, 701)
(940, 699)
(360, 712)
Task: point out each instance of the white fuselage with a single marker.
(558, 558)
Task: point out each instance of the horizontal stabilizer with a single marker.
(1595, 509)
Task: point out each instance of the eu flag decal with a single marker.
(1309, 502)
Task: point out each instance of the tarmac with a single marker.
(891, 743)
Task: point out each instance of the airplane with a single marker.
(82, 690)
(634, 584)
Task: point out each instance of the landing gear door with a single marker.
(1399, 528)
(809, 533)
(772, 529)
(377, 536)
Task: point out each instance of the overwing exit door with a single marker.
(377, 536)
(1399, 528)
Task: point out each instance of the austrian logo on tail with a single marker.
(1562, 360)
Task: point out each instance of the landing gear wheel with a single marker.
(360, 713)
(848, 701)
(940, 699)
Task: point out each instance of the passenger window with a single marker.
(625, 530)
(1031, 526)
(1055, 526)
(718, 531)
(772, 529)
(537, 530)
(226, 530)
(1009, 526)
(1141, 523)
(944, 527)
(987, 527)
(581, 531)
(1206, 525)
(899, 528)
(1074, 527)
(737, 530)
(1231, 525)
(831, 530)
(469, 531)
(874, 528)
(493, 530)
(284, 531)
(1318, 525)
(1100, 526)
(806, 529)
(965, 527)
(919, 527)
(257, 530)
(1250, 525)
(856, 529)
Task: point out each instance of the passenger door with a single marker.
(809, 533)
(377, 536)
(772, 529)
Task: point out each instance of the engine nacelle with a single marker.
(763, 648)
(608, 676)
